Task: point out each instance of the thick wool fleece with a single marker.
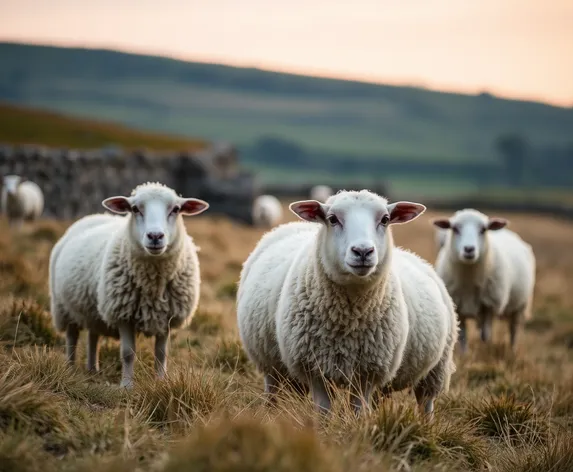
(99, 278)
(501, 283)
(294, 319)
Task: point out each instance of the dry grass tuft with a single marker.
(246, 444)
(25, 322)
(505, 418)
(185, 396)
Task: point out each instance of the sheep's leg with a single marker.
(272, 387)
(360, 394)
(127, 353)
(93, 362)
(463, 335)
(72, 335)
(161, 342)
(487, 321)
(513, 327)
(320, 394)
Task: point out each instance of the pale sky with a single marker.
(514, 48)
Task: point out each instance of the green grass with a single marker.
(32, 126)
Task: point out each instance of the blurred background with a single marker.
(450, 103)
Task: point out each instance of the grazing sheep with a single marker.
(119, 275)
(334, 300)
(21, 200)
(320, 193)
(488, 270)
(267, 211)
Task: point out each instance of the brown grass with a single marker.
(507, 412)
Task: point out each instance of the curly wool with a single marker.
(154, 296)
(98, 278)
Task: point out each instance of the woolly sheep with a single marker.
(488, 270)
(21, 200)
(118, 275)
(320, 193)
(440, 237)
(267, 211)
(334, 300)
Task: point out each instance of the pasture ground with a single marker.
(504, 412)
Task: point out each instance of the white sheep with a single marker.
(267, 211)
(21, 200)
(334, 300)
(488, 270)
(119, 275)
(440, 237)
(320, 193)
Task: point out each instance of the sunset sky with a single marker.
(515, 48)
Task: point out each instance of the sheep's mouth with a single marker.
(361, 269)
(469, 259)
(155, 250)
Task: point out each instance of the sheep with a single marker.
(118, 275)
(440, 237)
(320, 193)
(333, 300)
(488, 270)
(21, 200)
(267, 211)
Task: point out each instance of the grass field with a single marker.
(32, 126)
(509, 413)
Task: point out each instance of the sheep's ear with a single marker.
(309, 210)
(119, 205)
(443, 223)
(496, 223)
(402, 212)
(193, 206)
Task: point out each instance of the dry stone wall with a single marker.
(75, 182)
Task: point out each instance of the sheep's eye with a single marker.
(333, 220)
(385, 220)
(482, 230)
(176, 209)
(134, 209)
(456, 230)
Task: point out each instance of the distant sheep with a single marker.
(116, 276)
(320, 193)
(488, 270)
(440, 237)
(21, 200)
(267, 211)
(334, 300)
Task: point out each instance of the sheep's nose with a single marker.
(362, 252)
(469, 249)
(155, 236)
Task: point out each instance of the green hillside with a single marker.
(284, 123)
(31, 126)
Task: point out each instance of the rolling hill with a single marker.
(281, 122)
(19, 126)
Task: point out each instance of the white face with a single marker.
(469, 229)
(356, 235)
(154, 216)
(11, 183)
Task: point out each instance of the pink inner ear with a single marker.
(193, 207)
(404, 212)
(311, 211)
(118, 204)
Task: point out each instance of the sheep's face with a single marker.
(469, 228)
(356, 237)
(11, 183)
(155, 216)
